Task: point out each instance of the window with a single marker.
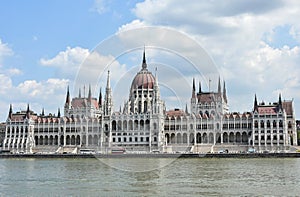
(274, 124)
(154, 125)
(268, 124)
(289, 125)
(280, 123)
(262, 124)
(256, 124)
(281, 137)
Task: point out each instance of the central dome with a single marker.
(143, 79)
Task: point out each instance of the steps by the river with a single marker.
(44, 149)
(202, 148)
(230, 148)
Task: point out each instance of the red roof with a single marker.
(84, 102)
(176, 113)
(207, 97)
(267, 110)
(288, 107)
(143, 79)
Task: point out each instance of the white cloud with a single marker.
(34, 38)
(42, 90)
(233, 32)
(6, 84)
(84, 67)
(133, 25)
(49, 93)
(71, 57)
(67, 62)
(4, 51)
(14, 72)
(94, 71)
(100, 6)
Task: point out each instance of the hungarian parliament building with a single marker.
(144, 125)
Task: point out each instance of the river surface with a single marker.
(150, 177)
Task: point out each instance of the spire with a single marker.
(200, 87)
(100, 98)
(90, 92)
(108, 80)
(186, 109)
(58, 113)
(68, 96)
(280, 102)
(28, 112)
(79, 93)
(194, 89)
(255, 103)
(144, 65)
(43, 112)
(10, 112)
(224, 92)
(83, 91)
(156, 77)
(219, 86)
(108, 104)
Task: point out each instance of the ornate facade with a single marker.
(144, 125)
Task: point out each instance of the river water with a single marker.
(150, 177)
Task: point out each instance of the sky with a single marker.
(47, 45)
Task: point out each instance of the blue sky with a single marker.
(254, 45)
(38, 29)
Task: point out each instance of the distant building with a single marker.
(2, 133)
(144, 125)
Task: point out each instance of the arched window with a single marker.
(280, 123)
(262, 124)
(154, 126)
(255, 124)
(147, 124)
(130, 125)
(274, 123)
(206, 112)
(145, 107)
(124, 125)
(140, 107)
(191, 126)
(289, 125)
(119, 125)
(136, 125)
(268, 124)
(114, 125)
(141, 124)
